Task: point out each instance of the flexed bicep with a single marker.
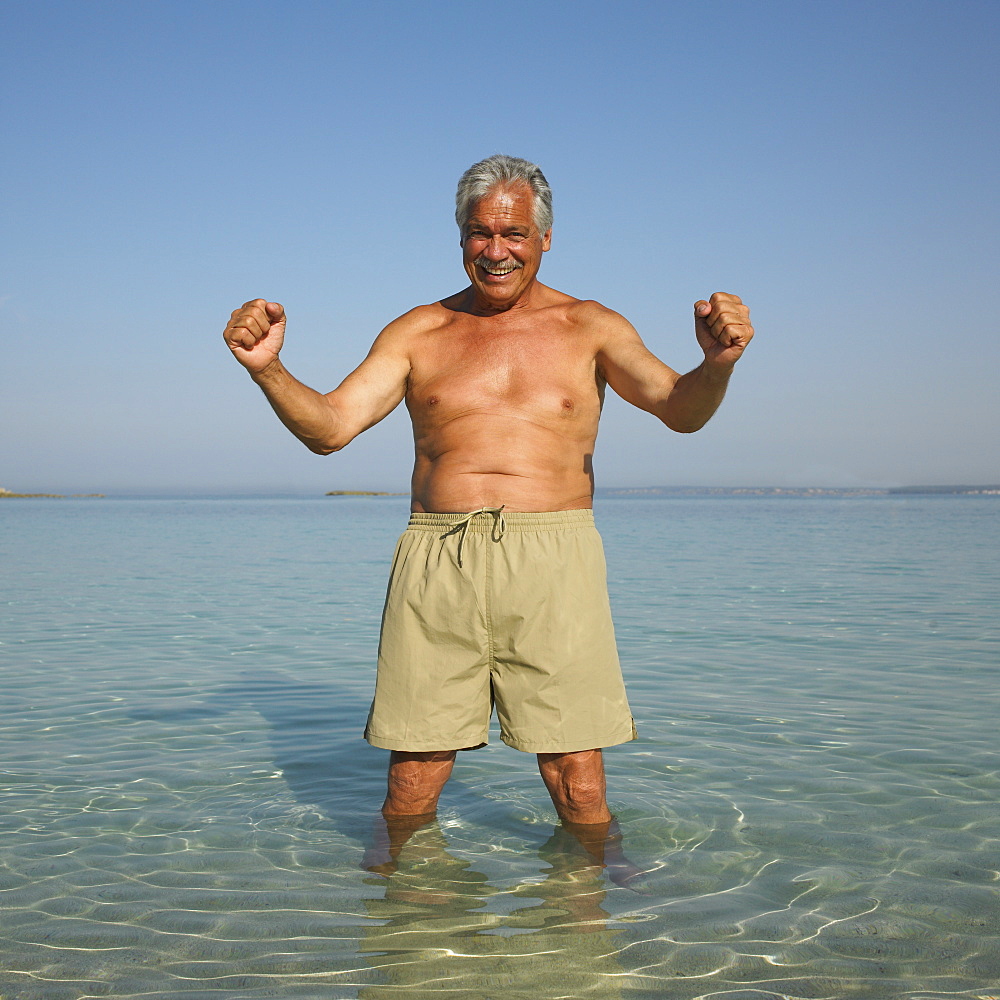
(631, 369)
(370, 393)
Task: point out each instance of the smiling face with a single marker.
(502, 248)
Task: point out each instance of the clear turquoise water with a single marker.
(187, 799)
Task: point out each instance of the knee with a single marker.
(415, 782)
(580, 793)
(581, 801)
(407, 785)
(405, 797)
(577, 786)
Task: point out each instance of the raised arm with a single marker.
(685, 403)
(324, 423)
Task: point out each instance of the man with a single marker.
(498, 586)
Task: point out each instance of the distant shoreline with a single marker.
(800, 491)
(605, 492)
(50, 496)
(363, 493)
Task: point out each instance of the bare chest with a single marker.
(547, 375)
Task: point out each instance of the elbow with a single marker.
(325, 446)
(333, 437)
(677, 419)
(682, 426)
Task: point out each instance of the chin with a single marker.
(499, 293)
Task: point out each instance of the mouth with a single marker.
(498, 268)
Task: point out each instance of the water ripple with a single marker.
(812, 801)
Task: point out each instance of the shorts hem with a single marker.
(572, 746)
(424, 746)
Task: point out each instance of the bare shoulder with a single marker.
(397, 337)
(605, 325)
(622, 357)
(420, 319)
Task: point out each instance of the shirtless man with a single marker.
(504, 382)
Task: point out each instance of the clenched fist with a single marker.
(255, 333)
(722, 326)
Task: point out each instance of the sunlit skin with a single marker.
(504, 382)
(501, 236)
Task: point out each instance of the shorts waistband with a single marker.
(515, 521)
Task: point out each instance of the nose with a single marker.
(497, 248)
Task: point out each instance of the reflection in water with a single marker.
(442, 927)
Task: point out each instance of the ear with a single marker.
(546, 240)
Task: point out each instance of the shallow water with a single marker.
(187, 800)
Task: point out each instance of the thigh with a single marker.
(421, 767)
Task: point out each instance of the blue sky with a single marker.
(834, 163)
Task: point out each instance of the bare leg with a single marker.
(603, 844)
(415, 782)
(577, 786)
(413, 788)
(389, 836)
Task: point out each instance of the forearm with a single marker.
(308, 414)
(694, 398)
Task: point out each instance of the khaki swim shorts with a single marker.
(510, 610)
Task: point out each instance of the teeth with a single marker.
(498, 269)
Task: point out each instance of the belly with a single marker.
(487, 460)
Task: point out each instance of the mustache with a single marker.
(497, 265)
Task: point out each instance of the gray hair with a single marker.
(499, 171)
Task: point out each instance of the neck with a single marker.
(485, 307)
